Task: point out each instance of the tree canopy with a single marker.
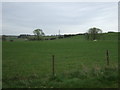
(93, 33)
(38, 33)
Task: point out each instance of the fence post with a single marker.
(107, 57)
(53, 70)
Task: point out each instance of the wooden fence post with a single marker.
(107, 57)
(53, 70)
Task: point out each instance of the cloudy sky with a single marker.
(68, 17)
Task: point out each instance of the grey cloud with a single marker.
(52, 16)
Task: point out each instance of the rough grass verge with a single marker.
(96, 77)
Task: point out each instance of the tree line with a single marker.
(92, 34)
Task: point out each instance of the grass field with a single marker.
(79, 63)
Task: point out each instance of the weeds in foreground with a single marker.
(96, 77)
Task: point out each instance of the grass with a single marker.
(28, 63)
(106, 77)
(0, 64)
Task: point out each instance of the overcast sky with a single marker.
(68, 17)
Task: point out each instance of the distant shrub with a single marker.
(111, 32)
(11, 40)
(3, 38)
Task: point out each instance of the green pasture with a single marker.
(29, 63)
